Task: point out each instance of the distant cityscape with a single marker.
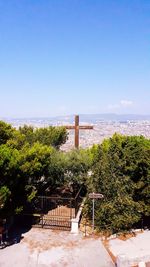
(105, 125)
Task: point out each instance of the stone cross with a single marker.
(78, 127)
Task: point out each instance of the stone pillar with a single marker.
(75, 226)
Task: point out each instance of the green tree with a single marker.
(78, 163)
(28, 133)
(4, 196)
(9, 177)
(137, 158)
(17, 141)
(120, 169)
(51, 136)
(35, 161)
(43, 167)
(6, 132)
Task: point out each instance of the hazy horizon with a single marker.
(81, 115)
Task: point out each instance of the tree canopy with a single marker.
(29, 161)
(121, 171)
(32, 164)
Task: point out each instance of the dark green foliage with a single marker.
(4, 195)
(31, 163)
(9, 159)
(121, 172)
(54, 136)
(50, 136)
(9, 177)
(6, 132)
(28, 133)
(77, 165)
(28, 164)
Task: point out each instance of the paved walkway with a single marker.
(47, 248)
(134, 250)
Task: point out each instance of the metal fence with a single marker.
(55, 212)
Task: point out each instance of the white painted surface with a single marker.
(142, 264)
(75, 222)
(74, 226)
(132, 251)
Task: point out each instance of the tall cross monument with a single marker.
(76, 128)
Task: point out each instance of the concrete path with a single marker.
(47, 248)
(134, 250)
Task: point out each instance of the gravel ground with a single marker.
(48, 248)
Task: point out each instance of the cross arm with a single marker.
(81, 127)
(69, 127)
(84, 127)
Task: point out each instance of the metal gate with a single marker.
(55, 212)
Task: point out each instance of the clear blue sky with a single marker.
(74, 56)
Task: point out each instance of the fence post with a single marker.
(70, 209)
(42, 221)
(85, 229)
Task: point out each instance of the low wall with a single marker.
(140, 261)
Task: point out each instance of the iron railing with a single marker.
(55, 211)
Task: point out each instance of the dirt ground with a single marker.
(49, 248)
